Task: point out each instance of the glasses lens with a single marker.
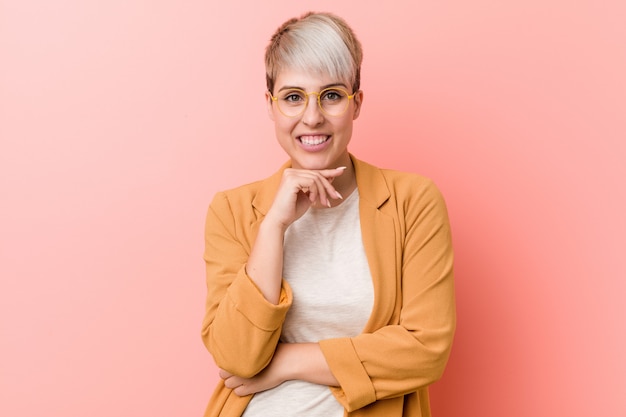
(334, 101)
(292, 102)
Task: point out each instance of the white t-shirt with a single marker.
(333, 295)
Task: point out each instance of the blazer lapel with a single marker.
(377, 228)
(263, 199)
(379, 239)
(268, 187)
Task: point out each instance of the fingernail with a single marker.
(339, 195)
(342, 168)
(328, 203)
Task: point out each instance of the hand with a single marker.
(302, 361)
(273, 375)
(299, 190)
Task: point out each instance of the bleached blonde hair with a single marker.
(318, 42)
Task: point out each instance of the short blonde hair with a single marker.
(318, 42)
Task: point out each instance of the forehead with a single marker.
(306, 80)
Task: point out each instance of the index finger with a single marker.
(332, 173)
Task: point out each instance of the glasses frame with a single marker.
(319, 101)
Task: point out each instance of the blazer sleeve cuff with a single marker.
(355, 387)
(250, 302)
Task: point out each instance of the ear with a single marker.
(358, 101)
(269, 102)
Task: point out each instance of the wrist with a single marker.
(306, 362)
(272, 225)
(286, 354)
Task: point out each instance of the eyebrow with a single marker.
(289, 87)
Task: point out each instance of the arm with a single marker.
(396, 359)
(247, 299)
(240, 327)
(265, 264)
(302, 361)
(411, 351)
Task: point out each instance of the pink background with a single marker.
(120, 119)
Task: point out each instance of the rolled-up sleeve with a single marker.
(411, 353)
(240, 327)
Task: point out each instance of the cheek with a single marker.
(345, 124)
(283, 127)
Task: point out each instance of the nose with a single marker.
(312, 115)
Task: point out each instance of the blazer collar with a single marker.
(375, 194)
(378, 231)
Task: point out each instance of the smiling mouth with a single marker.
(312, 140)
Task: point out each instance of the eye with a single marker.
(333, 95)
(293, 97)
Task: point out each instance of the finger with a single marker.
(233, 382)
(223, 374)
(309, 192)
(243, 390)
(326, 190)
(308, 183)
(315, 184)
(317, 190)
(331, 174)
(312, 189)
(300, 181)
(330, 189)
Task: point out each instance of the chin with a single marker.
(312, 163)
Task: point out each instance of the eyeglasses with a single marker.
(293, 102)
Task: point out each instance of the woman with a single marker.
(330, 284)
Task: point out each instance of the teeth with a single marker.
(313, 140)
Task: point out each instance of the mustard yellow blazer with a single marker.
(383, 372)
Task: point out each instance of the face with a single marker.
(313, 140)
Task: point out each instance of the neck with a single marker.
(345, 183)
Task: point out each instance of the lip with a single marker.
(314, 142)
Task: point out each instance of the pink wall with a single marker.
(120, 119)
